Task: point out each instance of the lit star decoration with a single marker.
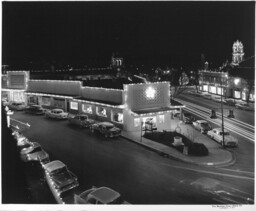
(150, 93)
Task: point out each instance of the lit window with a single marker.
(74, 105)
(161, 118)
(136, 122)
(87, 109)
(117, 117)
(101, 111)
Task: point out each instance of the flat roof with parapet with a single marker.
(157, 110)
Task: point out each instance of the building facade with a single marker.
(131, 108)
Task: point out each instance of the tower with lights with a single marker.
(238, 53)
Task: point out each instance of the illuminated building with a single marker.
(238, 53)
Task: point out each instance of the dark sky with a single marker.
(155, 33)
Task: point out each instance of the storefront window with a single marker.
(117, 117)
(18, 96)
(59, 103)
(74, 105)
(161, 118)
(237, 94)
(252, 97)
(212, 89)
(136, 122)
(243, 96)
(205, 88)
(220, 91)
(101, 111)
(87, 109)
(46, 101)
(33, 100)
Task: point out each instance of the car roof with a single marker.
(106, 123)
(54, 165)
(202, 121)
(105, 195)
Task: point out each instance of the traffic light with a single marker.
(231, 114)
(213, 114)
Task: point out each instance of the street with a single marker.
(140, 175)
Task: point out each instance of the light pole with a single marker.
(222, 118)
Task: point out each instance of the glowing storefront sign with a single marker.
(150, 93)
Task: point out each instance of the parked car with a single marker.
(207, 96)
(22, 141)
(56, 114)
(188, 118)
(102, 195)
(222, 192)
(217, 135)
(59, 177)
(34, 109)
(229, 101)
(80, 120)
(216, 99)
(17, 106)
(38, 155)
(34, 153)
(107, 129)
(202, 125)
(244, 106)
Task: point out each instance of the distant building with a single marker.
(220, 83)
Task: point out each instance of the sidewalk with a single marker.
(217, 155)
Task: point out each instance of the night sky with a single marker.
(149, 33)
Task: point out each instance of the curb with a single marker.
(222, 164)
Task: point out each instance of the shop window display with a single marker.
(87, 109)
(101, 111)
(117, 117)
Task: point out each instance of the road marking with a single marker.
(208, 172)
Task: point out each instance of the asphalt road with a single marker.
(244, 116)
(140, 175)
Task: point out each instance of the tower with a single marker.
(238, 53)
(117, 64)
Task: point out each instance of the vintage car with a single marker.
(222, 192)
(22, 141)
(106, 128)
(34, 109)
(80, 120)
(229, 101)
(59, 178)
(34, 153)
(188, 118)
(202, 125)
(244, 106)
(102, 195)
(216, 99)
(17, 106)
(207, 96)
(217, 135)
(40, 156)
(56, 114)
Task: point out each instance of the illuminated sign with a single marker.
(150, 93)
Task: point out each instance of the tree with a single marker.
(246, 71)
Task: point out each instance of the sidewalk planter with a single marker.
(179, 142)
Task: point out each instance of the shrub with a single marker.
(198, 149)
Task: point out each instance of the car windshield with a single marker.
(225, 133)
(58, 112)
(205, 124)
